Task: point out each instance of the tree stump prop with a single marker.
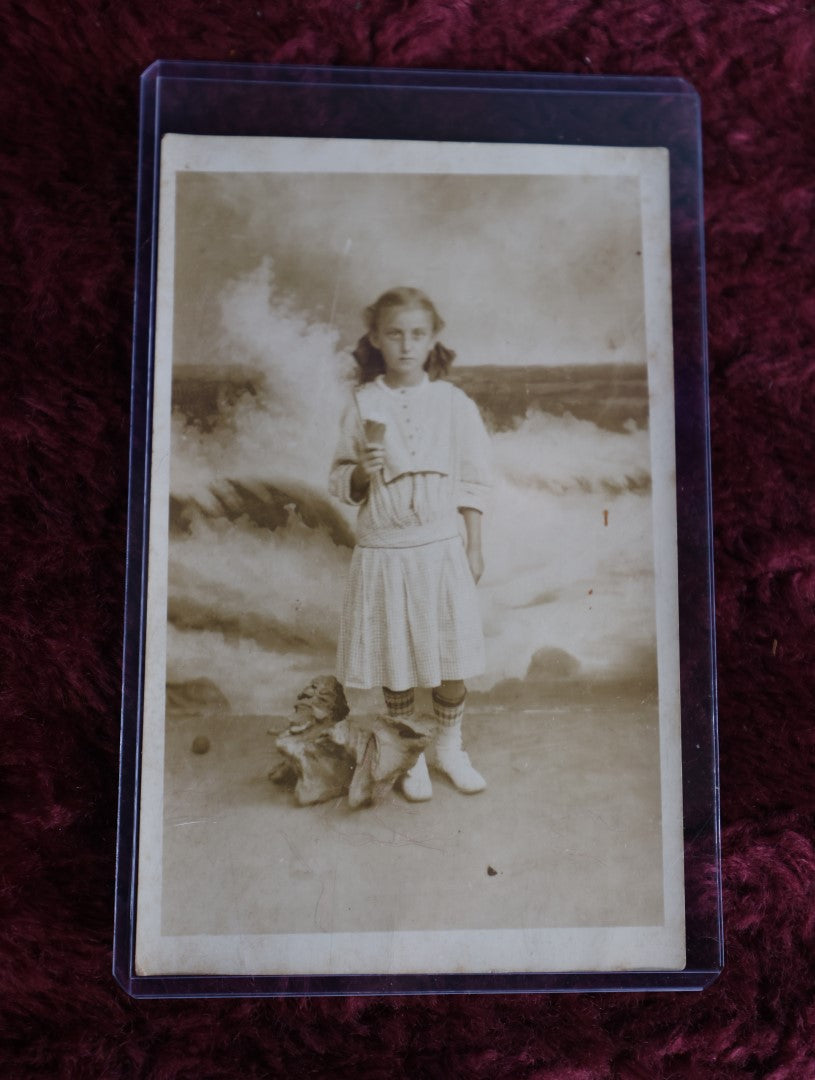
(327, 753)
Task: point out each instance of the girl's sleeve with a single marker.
(474, 478)
(346, 457)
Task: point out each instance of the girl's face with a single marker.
(404, 336)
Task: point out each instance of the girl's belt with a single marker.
(414, 535)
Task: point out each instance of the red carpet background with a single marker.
(68, 185)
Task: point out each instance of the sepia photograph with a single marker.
(411, 695)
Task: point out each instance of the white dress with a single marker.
(410, 614)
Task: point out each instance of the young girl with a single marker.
(414, 456)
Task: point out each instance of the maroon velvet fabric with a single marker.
(68, 179)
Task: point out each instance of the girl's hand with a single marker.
(372, 460)
(472, 526)
(476, 561)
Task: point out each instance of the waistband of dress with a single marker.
(407, 536)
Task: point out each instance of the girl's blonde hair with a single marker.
(369, 358)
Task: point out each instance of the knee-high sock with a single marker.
(399, 703)
(447, 712)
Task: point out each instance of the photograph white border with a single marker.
(533, 949)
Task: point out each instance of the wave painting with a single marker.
(259, 551)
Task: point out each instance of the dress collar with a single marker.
(380, 381)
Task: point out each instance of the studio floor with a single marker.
(568, 833)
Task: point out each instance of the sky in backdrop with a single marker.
(523, 269)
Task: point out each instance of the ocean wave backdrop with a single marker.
(259, 552)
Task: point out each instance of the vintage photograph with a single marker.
(411, 697)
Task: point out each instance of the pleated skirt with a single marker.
(410, 617)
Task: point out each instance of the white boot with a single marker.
(449, 758)
(416, 786)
